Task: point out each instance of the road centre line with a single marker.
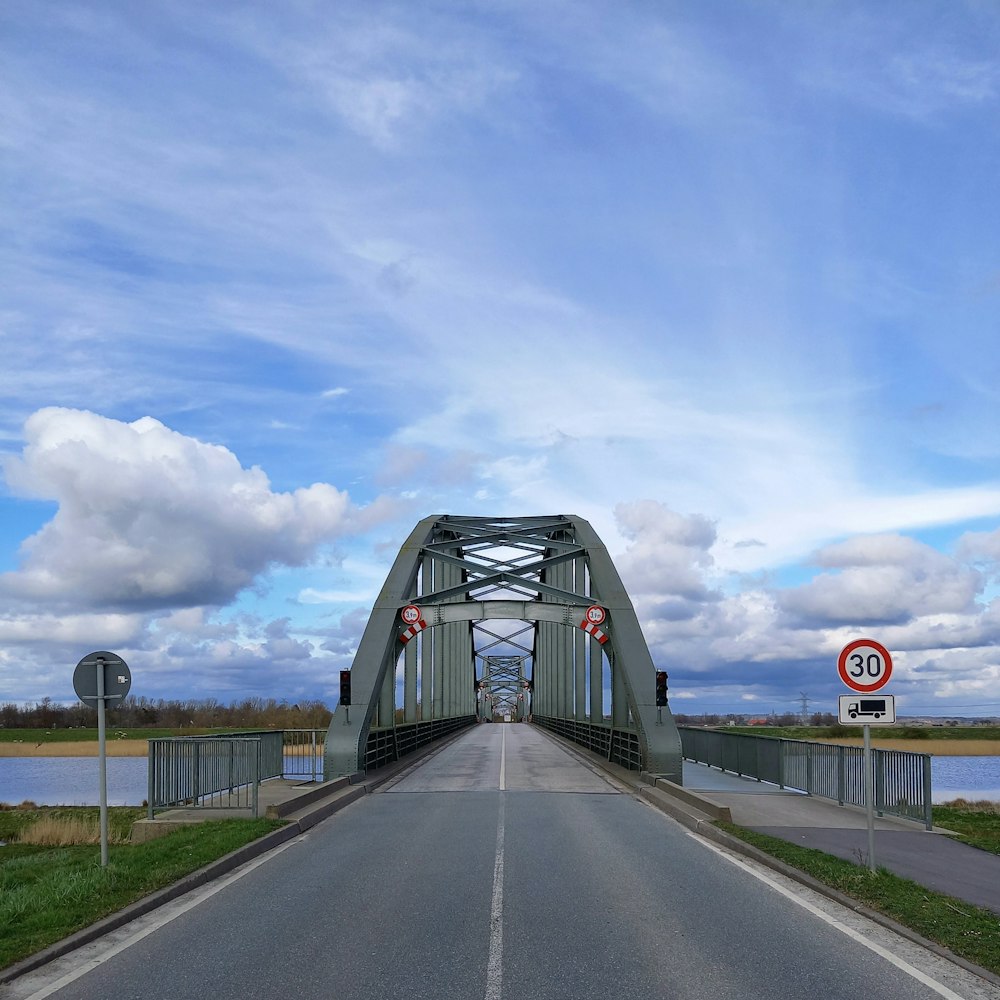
(494, 964)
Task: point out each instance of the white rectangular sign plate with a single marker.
(867, 710)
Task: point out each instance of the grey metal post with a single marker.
(103, 761)
(150, 787)
(841, 775)
(256, 779)
(869, 796)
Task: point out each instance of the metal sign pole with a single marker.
(869, 796)
(102, 754)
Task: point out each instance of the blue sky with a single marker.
(722, 278)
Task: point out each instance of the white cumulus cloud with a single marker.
(148, 517)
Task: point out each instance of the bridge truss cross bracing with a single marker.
(519, 617)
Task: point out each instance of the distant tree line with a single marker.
(784, 719)
(145, 713)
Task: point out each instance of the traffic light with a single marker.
(345, 687)
(661, 688)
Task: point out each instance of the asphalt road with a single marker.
(501, 868)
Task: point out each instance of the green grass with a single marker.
(14, 819)
(929, 733)
(47, 893)
(969, 931)
(974, 825)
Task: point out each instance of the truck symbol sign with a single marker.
(871, 707)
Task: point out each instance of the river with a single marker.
(49, 781)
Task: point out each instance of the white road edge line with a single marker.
(198, 896)
(494, 965)
(900, 963)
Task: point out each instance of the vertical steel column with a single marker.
(387, 699)
(580, 645)
(410, 682)
(426, 638)
(596, 682)
(437, 646)
(619, 696)
(564, 647)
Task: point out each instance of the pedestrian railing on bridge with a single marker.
(619, 746)
(384, 746)
(902, 778)
(225, 772)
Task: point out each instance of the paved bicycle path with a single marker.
(930, 858)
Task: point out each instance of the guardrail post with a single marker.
(928, 809)
(879, 763)
(196, 777)
(149, 779)
(781, 764)
(809, 769)
(841, 775)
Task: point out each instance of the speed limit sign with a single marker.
(865, 665)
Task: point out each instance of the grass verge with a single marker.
(47, 893)
(969, 931)
(975, 823)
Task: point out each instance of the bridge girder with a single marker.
(464, 572)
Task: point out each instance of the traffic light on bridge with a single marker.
(661, 688)
(345, 687)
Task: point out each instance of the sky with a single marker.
(279, 280)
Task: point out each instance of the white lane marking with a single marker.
(854, 935)
(494, 965)
(503, 759)
(198, 896)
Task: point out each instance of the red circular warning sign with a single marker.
(865, 665)
(410, 614)
(595, 614)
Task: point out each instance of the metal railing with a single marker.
(225, 772)
(302, 752)
(831, 771)
(387, 745)
(619, 746)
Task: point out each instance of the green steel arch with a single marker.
(482, 592)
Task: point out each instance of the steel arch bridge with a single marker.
(521, 618)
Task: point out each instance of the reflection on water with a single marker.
(54, 781)
(73, 781)
(965, 778)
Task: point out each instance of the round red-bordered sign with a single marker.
(596, 614)
(865, 665)
(410, 614)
